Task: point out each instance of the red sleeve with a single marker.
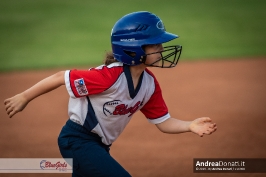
(155, 108)
(93, 81)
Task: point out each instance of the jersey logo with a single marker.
(116, 107)
(109, 106)
(81, 87)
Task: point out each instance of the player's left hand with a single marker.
(202, 126)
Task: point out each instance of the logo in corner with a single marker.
(47, 165)
(81, 87)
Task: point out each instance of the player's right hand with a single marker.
(15, 104)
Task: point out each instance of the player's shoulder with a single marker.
(111, 71)
(151, 77)
(149, 72)
(115, 65)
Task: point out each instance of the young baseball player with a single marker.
(103, 99)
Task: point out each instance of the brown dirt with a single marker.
(231, 92)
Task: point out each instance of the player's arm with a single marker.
(198, 126)
(18, 102)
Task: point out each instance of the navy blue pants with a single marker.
(91, 157)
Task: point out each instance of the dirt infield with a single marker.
(232, 93)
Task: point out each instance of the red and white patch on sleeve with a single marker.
(81, 87)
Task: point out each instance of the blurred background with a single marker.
(38, 34)
(221, 74)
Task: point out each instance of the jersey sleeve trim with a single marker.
(159, 120)
(68, 84)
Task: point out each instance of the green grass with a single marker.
(53, 33)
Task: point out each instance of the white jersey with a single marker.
(103, 99)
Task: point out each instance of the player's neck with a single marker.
(136, 71)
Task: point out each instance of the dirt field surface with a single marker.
(231, 92)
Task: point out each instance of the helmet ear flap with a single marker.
(130, 53)
(127, 54)
(143, 59)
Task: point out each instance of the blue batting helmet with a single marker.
(135, 30)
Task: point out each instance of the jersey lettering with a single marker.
(123, 110)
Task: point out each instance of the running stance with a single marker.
(104, 99)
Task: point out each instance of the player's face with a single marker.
(152, 58)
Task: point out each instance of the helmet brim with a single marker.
(163, 38)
